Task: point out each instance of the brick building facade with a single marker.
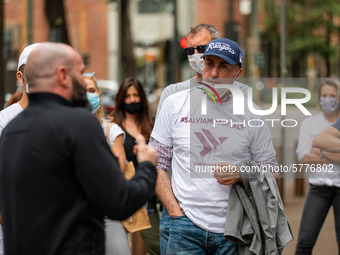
(87, 30)
(89, 26)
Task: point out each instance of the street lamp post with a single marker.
(29, 21)
(283, 72)
(174, 52)
(253, 46)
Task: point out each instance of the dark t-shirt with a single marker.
(337, 124)
(129, 143)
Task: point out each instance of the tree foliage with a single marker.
(55, 14)
(311, 25)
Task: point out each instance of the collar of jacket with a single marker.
(47, 98)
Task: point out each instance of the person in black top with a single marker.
(58, 177)
(132, 115)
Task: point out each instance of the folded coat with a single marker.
(255, 215)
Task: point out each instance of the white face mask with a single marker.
(26, 88)
(23, 84)
(196, 62)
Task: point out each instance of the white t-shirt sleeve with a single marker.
(115, 131)
(164, 123)
(8, 114)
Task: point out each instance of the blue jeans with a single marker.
(318, 202)
(164, 226)
(187, 238)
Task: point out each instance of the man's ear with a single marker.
(63, 76)
(19, 77)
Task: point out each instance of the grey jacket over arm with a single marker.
(255, 215)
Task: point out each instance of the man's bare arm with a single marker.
(328, 140)
(332, 157)
(165, 194)
(314, 157)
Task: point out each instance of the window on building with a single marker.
(154, 6)
(7, 44)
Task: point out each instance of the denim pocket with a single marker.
(177, 217)
(185, 237)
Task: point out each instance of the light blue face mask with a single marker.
(94, 100)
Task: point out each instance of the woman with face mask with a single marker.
(132, 115)
(324, 185)
(115, 135)
(115, 235)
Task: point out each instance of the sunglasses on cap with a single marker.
(89, 74)
(191, 50)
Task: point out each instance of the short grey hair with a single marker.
(210, 28)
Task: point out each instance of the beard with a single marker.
(78, 96)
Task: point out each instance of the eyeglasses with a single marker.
(89, 74)
(191, 50)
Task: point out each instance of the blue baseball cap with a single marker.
(226, 49)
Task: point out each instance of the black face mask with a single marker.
(133, 108)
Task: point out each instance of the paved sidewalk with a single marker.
(326, 242)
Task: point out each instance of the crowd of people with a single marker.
(62, 184)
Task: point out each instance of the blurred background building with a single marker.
(119, 38)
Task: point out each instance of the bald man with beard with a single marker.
(58, 177)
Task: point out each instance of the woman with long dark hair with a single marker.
(132, 115)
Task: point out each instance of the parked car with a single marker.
(109, 91)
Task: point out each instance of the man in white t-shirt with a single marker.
(197, 39)
(190, 143)
(13, 110)
(9, 113)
